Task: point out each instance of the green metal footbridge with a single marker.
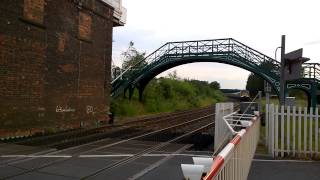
(227, 51)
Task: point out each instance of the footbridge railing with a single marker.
(202, 47)
(311, 71)
(230, 50)
(233, 160)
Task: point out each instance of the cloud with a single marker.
(313, 42)
(228, 76)
(150, 24)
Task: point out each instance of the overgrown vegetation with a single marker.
(168, 95)
(254, 82)
(162, 94)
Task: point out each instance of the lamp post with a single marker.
(267, 88)
(275, 52)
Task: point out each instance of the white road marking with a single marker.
(189, 155)
(35, 156)
(157, 164)
(106, 155)
(145, 155)
(98, 155)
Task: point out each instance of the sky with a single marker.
(256, 23)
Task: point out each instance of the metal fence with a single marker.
(234, 161)
(292, 131)
(234, 158)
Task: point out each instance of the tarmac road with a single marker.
(262, 169)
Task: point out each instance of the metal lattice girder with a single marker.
(311, 71)
(171, 54)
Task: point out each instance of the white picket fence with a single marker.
(292, 131)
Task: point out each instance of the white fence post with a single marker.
(288, 129)
(294, 131)
(276, 128)
(282, 132)
(316, 133)
(299, 131)
(272, 129)
(267, 127)
(221, 134)
(305, 132)
(310, 131)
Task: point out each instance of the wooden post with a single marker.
(310, 131)
(288, 129)
(267, 140)
(277, 131)
(282, 132)
(299, 130)
(305, 132)
(316, 133)
(294, 131)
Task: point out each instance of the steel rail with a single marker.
(102, 147)
(146, 151)
(79, 132)
(159, 120)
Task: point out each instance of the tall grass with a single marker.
(168, 95)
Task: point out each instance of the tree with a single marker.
(255, 83)
(173, 75)
(214, 85)
(115, 71)
(133, 58)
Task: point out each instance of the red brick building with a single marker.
(55, 61)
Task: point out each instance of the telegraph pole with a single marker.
(282, 71)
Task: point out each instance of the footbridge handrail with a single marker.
(203, 46)
(231, 50)
(311, 71)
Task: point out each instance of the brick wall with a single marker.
(55, 59)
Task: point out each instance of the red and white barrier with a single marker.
(234, 161)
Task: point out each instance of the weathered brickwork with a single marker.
(55, 59)
(33, 10)
(85, 23)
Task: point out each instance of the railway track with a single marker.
(152, 149)
(194, 125)
(130, 127)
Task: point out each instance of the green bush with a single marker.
(168, 95)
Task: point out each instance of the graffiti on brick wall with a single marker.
(60, 109)
(90, 109)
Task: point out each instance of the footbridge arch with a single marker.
(172, 54)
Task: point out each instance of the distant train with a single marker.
(242, 95)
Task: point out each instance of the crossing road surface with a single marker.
(284, 170)
(69, 165)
